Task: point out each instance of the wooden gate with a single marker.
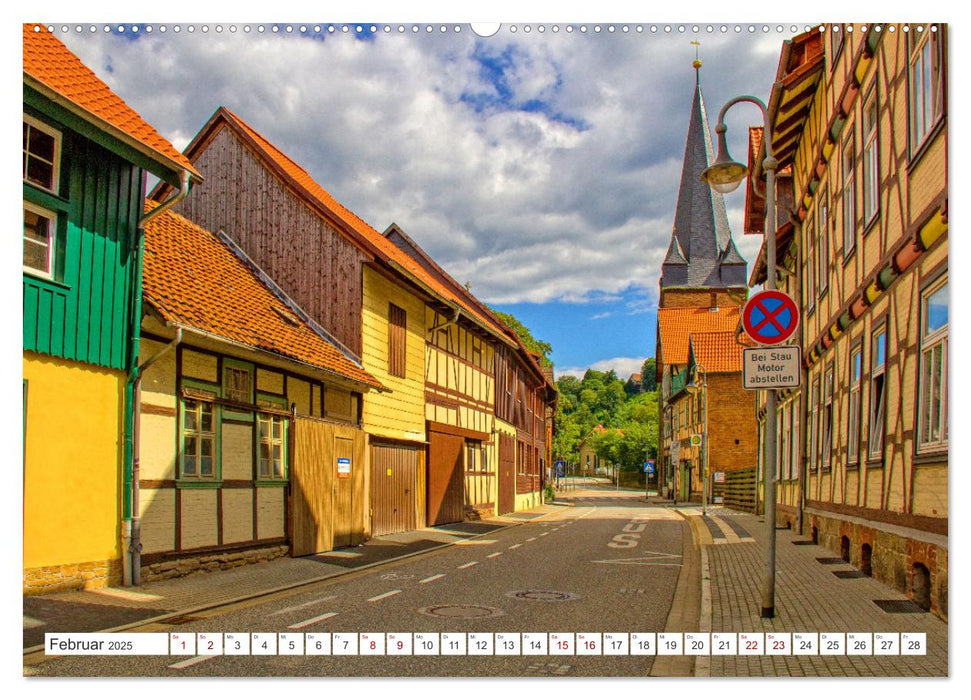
(507, 474)
(446, 502)
(327, 495)
(394, 481)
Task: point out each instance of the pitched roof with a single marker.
(50, 67)
(700, 220)
(716, 351)
(675, 326)
(195, 279)
(354, 226)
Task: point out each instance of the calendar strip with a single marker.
(205, 644)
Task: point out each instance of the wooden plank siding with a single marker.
(400, 412)
(314, 264)
(84, 313)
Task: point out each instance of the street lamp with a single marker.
(704, 436)
(724, 175)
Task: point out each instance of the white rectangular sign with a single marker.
(771, 367)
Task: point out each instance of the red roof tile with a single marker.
(675, 325)
(50, 63)
(717, 351)
(193, 279)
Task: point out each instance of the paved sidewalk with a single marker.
(809, 598)
(111, 608)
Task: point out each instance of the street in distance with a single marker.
(771, 367)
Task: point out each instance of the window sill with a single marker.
(870, 225)
(929, 138)
(848, 255)
(874, 463)
(853, 466)
(922, 458)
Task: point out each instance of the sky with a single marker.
(541, 168)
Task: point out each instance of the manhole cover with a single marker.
(463, 612)
(899, 606)
(544, 596)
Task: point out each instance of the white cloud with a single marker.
(556, 181)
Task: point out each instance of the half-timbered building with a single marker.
(249, 433)
(860, 114)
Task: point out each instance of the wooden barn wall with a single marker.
(318, 267)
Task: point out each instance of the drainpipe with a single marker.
(130, 540)
(447, 322)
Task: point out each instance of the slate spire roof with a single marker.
(701, 230)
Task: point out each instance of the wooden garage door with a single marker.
(507, 474)
(394, 474)
(446, 503)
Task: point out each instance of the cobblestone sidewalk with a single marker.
(809, 598)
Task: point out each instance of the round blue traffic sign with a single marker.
(770, 317)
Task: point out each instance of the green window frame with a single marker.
(271, 439)
(200, 418)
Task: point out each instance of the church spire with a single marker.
(700, 220)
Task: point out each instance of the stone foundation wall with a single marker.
(210, 562)
(72, 577)
(895, 560)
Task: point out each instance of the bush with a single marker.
(549, 495)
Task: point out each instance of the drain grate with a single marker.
(830, 560)
(849, 574)
(899, 606)
(802, 542)
(461, 612)
(544, 596)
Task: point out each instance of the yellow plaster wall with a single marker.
(400, 412)
(72, 462)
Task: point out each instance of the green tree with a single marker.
(542, 348)
(648, 382)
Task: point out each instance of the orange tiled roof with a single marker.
(194, 280)
(717, 351)
(675, 325)
(49, 62)
(384, 248)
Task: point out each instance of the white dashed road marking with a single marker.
(383, 596)
(302, 605)
(305, 623)
(432, 578)
(467, 565)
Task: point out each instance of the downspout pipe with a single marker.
(130, 540)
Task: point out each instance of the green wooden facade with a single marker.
(85, 313)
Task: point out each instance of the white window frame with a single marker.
(926, 83)
(814, 425)
(200, 435)
(266, 470)
(56, 165)
(849, 194)
(51, 241)
(826, 418)
(871, 158)
(931, 342)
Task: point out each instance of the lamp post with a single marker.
(704, 436)
(724, 175)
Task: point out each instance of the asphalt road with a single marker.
(608, 564)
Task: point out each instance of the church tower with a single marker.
(702, 266)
